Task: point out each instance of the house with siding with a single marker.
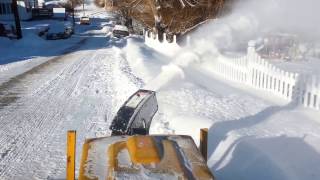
(24, 9)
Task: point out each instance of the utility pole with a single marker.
(14, 7)
(83, 8)
(72, 4)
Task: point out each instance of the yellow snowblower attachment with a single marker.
(142, 157)
(130, 153)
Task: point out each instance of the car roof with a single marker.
(57, 28)
(120, 28)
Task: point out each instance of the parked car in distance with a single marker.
(120, 31)
(85, 20)
(42, 29)
(7, 30)
(60, 31)
(69, 27)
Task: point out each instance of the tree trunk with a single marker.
(14, 7)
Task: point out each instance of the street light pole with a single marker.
(14, 7)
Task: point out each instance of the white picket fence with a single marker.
(166, 47)
(255, 71)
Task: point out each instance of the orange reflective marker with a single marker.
(71, 152)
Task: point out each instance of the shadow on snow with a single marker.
(249, 157)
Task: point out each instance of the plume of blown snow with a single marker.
(169, 74)
(251, 19)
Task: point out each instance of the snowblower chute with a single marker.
(135, 115)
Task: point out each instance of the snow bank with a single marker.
(31, 40)
(5, 42)
(267, 158)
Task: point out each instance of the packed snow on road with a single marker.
(79, 83)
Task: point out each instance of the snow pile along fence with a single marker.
(255, 71)
(164, 46)
(309, 91)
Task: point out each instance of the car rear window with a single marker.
(125, 33)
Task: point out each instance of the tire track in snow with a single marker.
(9, 93)
(126, 69)
(42, 122)
(82, 94)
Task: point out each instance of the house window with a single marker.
(2, 8)
(1, 12)
(8, 8)
(5, 8)
(29, 5)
